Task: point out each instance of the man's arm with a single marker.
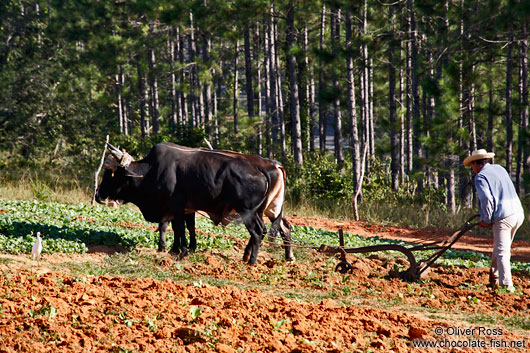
(485, 197)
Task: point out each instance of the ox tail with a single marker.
(281, 225)
(261, 207)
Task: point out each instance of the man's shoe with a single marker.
(505, 289)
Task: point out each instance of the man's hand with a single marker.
(483, 224)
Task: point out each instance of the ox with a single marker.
(172, 181)
(273, 207)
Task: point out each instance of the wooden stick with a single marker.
(359, 186)
(98, 170)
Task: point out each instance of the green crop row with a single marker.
(72, 228)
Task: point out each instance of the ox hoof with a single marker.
(175, 251)
(184, 253)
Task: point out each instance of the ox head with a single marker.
(117, 178)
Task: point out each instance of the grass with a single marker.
(519, 322)
(32, 186)
(132, 264)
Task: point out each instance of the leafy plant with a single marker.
(151, 323)
(277, 326)
(45, 310)
(124, 319)
(195, 312)
(471, 299)
(73, 228)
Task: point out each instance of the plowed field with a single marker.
(211, 302)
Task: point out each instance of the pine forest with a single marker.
(352, 96)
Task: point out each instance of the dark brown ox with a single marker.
(273, 206)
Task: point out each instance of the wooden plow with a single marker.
(416, 269)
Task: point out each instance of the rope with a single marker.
(268, 242)
(426, 242)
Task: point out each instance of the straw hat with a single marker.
(476, 155)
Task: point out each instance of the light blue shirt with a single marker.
(497, 198)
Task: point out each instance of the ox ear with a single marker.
(130, 173)
(111, 164)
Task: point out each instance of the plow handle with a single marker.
(446, 245)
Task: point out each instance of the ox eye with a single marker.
(113, 174)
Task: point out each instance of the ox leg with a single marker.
(162, 228)
(282, 226)
(285, 231)
(275, 227)
(273, 234)
(180, 243)
(256, 229)
(190, 224)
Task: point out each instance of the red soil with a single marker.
(50, 311)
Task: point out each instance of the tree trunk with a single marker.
(522, 149)
(371, 104)
(428, 118)
(118, 89)
(259, 107)
(274, 87)
(408, 105)
(270, 110)
(335, 42)
(279, 92)
(130, 117)
(144, 96)
(193, 75)
(296, 130)
(365, 87)
(153, 90)
(414, 91)
(509, 127)
(178, 79)
(470, 110)
(491, 116)
(359, 182)
(465, 181)
(217, 117)
(173, 78)
(394, 127)
(451, 199)
(183, 95)
(402, 118)
(321, 105)
(201, 104)
(310, 94)
(248, 72)
(352, 109)
(124, 104)
(207, 91)
(236, 89)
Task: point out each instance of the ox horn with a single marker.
(116, 152)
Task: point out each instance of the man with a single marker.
(500, 209)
